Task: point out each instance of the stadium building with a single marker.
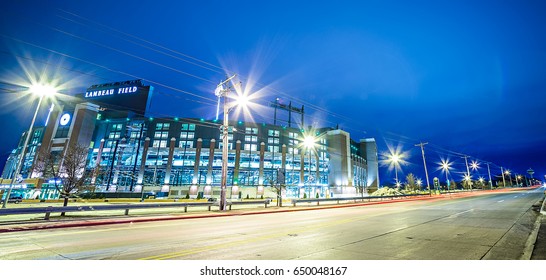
(132, 152)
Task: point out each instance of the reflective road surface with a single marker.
(490, 226)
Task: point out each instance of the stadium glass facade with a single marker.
(173, 157)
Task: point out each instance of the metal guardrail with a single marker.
(355, 199)
(57, 209)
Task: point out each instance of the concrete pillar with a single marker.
(97, 162)
(167, 181)
(235, 187)
(211, 160)
(194, 189)
(140, 178)
(118, 164)
(302, 168)
(261, 168)
(317, 169)
(237, 162)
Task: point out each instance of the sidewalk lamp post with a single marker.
(41, 90)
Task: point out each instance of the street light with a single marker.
(41, 90)
(475, 165)
(518, 177)
(395, 159)
(222, 90)
(507, 172)
(481, 179)
(445, 166)
(467, 179)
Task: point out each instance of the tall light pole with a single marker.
(468, 172)
(41, 90)
(425, 163)
(222, 90)
(503, 181)
(509, 176)
(445, 166)
(489, 172)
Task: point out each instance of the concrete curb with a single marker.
(543, 208)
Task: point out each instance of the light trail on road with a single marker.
(476, 227)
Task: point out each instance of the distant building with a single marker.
(179, 157)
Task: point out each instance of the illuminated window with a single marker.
(188, 126)
(186, 144)
(249, 138)
(251, 130)
(274, 133)
(162, 126)
(272, 140)
(114, 135)
(251, 147)
(273, 149)
(160, 143)
(162, 135)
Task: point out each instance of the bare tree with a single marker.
(275, 184)
(67, 170)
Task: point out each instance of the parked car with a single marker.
(14, 199)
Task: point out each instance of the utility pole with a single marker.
(222, 91)
(422, 145)
(489, 172)
(503, 181)
(468, 172)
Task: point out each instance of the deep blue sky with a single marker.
(466, 76)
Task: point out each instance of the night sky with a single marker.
(468, 77)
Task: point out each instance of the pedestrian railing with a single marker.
(125, 207)
(354, 199)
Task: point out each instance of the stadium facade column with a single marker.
(260, 190)
(283, 157)
(194, 189)
(166, 183)
(118, 163)
(140, 178)
(302, 167)
(235, 180)
(317, 175)
(208, 188)
(98, 160)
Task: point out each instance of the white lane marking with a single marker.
(500, 200)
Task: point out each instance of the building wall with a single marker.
(179, 157)
(369, 147)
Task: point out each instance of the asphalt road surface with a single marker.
(490, 226)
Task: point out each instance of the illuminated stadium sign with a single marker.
(111, 91)
(120, 96)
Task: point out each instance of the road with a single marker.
(490, 226)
